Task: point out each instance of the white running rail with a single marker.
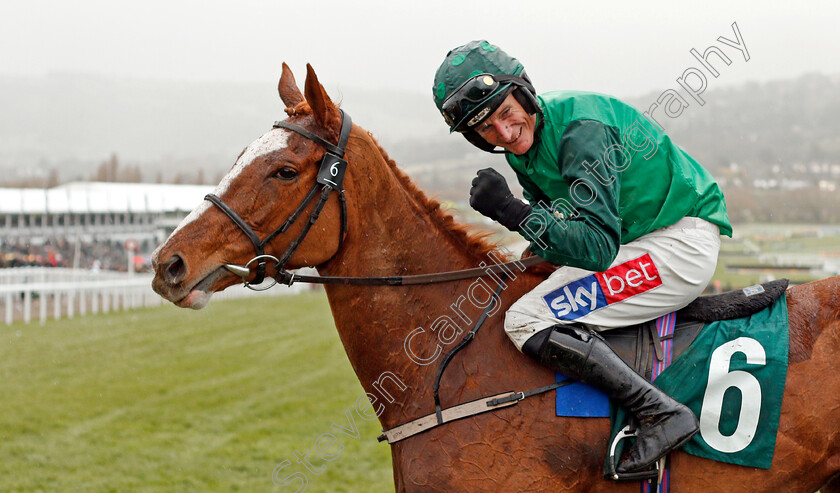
(56, 292)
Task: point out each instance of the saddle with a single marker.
(637, 344)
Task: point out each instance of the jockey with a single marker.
(633, 220)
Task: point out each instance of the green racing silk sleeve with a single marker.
(581, 226)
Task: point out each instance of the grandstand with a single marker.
(96, 211)
(63, 243)
(82, 224)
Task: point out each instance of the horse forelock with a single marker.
(333, 127)
(301, 108)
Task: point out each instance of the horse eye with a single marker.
(286, 173)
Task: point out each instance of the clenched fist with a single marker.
(491, 196)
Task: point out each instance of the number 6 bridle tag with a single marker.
(332, 171)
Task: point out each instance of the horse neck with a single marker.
(390, 229)
(390, 233)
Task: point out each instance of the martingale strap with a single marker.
(461, 345)
(442, 416)
(454, 413)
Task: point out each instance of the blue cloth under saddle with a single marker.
(579, 400)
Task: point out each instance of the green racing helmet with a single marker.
(472, 82)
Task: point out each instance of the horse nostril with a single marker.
(176, 269)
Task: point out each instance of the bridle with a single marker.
(330, 179)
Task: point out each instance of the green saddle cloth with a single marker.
(733, 378)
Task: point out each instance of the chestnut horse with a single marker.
(393, 229)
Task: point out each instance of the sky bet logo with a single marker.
(593, 292)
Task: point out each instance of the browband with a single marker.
(338, 150)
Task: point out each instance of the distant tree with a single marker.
(52, 179)
(112, 165)
(101, 172)
(107, 170)
(131, 174)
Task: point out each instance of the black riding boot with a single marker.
(664, 424)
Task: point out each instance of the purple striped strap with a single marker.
(664, 327)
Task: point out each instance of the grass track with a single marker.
(166, 399)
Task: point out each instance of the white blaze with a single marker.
(271, 141)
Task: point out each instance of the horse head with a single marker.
(266, 184)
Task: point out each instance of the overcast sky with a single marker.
(618, 47)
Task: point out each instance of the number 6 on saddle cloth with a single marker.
(330, 178)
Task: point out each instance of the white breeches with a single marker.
(651, 276)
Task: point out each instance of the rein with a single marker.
(288, 278)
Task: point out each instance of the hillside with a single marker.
(759, 125)
(73, 122)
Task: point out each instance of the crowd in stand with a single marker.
(105, 255)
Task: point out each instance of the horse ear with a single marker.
(288, 89)
(323, 108)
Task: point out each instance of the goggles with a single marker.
(465, 102)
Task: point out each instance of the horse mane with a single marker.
(473, 241)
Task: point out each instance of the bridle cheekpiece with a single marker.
(330, 178)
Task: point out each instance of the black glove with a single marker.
(490, 195)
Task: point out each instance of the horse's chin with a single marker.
(196, 299)
(200, 294)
